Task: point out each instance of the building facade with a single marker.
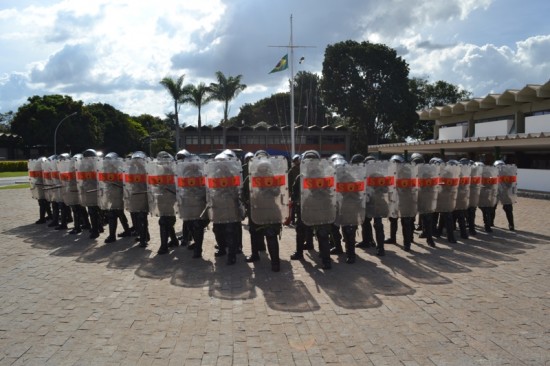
(513, 126)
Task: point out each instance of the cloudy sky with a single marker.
(117, 51)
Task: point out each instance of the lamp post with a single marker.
(55, 132)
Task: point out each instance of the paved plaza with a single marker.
(69, 300)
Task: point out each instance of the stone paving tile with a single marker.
(67, 300)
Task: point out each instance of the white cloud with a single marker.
(116, 51)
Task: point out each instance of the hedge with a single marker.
(13, 166)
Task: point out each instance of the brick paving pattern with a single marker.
(69, 300)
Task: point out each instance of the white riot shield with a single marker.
(135, 185)
(428, 187)
(507, 184)
(109, 180)
(464, 183)
(86, 179)
(318, 197)
(475, 185)
(489, 187)
(223, 187)
(380, 189)
(161, 187)
(191, 190)
(49, 186)
(268, 190)
(69, 187)
(35, 179)
(350, 194)
(448, 183)
(56, 188)
(406, 185)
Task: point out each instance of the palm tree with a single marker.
(177, 92)
(225, 90)
(198, 96)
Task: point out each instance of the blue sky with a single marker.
(117, 51)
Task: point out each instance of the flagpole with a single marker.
(292, 136)
(292, 123)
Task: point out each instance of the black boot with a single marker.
(163, 230)
(393, 231)
(112, 221)
(508, 209)
(273, 249)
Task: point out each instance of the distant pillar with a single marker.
(520, 122)
(471, 127)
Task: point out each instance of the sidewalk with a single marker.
(67, 300)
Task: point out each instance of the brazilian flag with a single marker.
(281, 65)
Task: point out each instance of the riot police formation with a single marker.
(330, 197)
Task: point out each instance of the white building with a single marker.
(513, 126)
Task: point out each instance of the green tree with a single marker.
(158, 134)
(36, 121)
(121, 134)
(428, 96)
(367, 84)
(198, 95)
(177, 92)
(5, 121)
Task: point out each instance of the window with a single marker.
(333, 140)
(191, 140)
(232, 140)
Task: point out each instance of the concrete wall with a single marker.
(534, 179)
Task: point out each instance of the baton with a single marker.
(47, 189)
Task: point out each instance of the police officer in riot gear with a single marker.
(293, 174)
(321, 231)
(224, 177)
(64, 209)
(163, 194)
(36, 179)
(110, 182)
(266, 187)
(135, 195)
(192, 199)
(87, 187)
(506, 190)
(407, 195)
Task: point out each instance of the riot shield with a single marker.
(463, 194)
(86, 179)
(135, 185)
(380, 189)
(69, 187)
(507, 184)
(191, 190)
(223, 186)
(268, 189)
(161, 187)
(406, 185)
(448, 183)
(109, 181)
(318, 198)
(350, 194)
(49, 187)
(428, 187)
(475, 185)
(489, 187)
(55, 188)
(35, 179)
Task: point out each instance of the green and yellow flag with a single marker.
(281, 65)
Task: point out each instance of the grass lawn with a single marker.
(16, 186)
(13, 174)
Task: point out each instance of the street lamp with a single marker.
(55, 132)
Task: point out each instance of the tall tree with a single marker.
(198, 95)
(433, 95)
(225, 90)
(37, 120)
(367, 84)
(177, 92)
(121, 134)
